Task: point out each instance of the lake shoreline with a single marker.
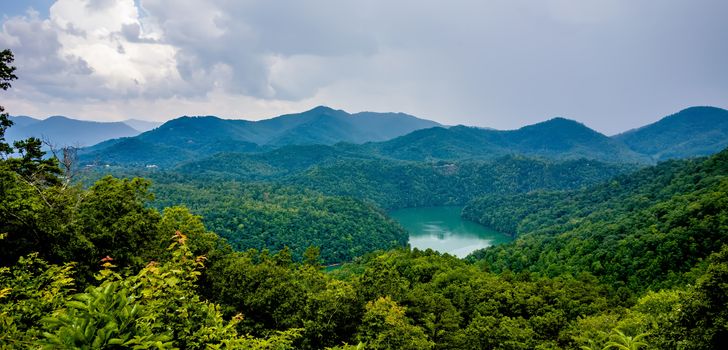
(443, 229)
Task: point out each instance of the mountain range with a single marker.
(62, 131)
(557, 138)
(189, 138)
(691, 132)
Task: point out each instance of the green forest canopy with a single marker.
(101, 268)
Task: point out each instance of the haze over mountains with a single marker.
(63, 131)
(691, 132)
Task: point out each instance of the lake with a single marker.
(442, 229)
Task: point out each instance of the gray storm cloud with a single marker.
(610, 64)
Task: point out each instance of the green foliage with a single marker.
(6, 76)
(29, 291)
(114, 218)
(36, 217)
(272, 294)
(105, 317)
(459, 306)
(156, 308)
(201, 241)
(618, 340)
(6, 69)
(273, 217)
(396, 184)
(695, 131)
(311, 256)
(384, 326)
(700, 319)
(639, 231)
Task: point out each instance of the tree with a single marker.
(312, 256)
(621, 341)
(114, 217)
(31, 165)
(6, 76)
(385, 326)
(30, 290)
(701, 321)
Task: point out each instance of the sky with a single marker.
(612, 65)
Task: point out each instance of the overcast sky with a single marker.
(612, 64)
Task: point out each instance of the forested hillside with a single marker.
(639, 261)
(396, 184)
(191, 138)
(557, 138)
(392, 183)
(273, 217)
(695, 131)
(244, 148)
(643, 230)
(335, 206)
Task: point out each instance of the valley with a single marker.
(363, 175)
(449, 250)
(205, 232)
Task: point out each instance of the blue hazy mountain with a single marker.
(21, 121)
(694, 131)
(63, 131)
(141, 125)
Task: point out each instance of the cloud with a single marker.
(83, 51)
(501, 63)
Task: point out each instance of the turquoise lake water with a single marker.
(442, 229)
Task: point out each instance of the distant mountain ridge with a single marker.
(694, 131)
(196, 137)
(63, 131)
(558, 138)
(141, 125)
(321, 125)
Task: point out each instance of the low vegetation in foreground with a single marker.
(100, 268)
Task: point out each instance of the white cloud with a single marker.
(83, 51)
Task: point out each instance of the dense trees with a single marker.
(394, 299)
(640, 261)
(301, 200)
(156, 308)
(273, 217)
(396, 184)
(6, 76)
(640, 231)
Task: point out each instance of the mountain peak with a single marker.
(322, 109)
(559, 125)
(59, 118)
(700, 130)
(563, 121)
(702, 109)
